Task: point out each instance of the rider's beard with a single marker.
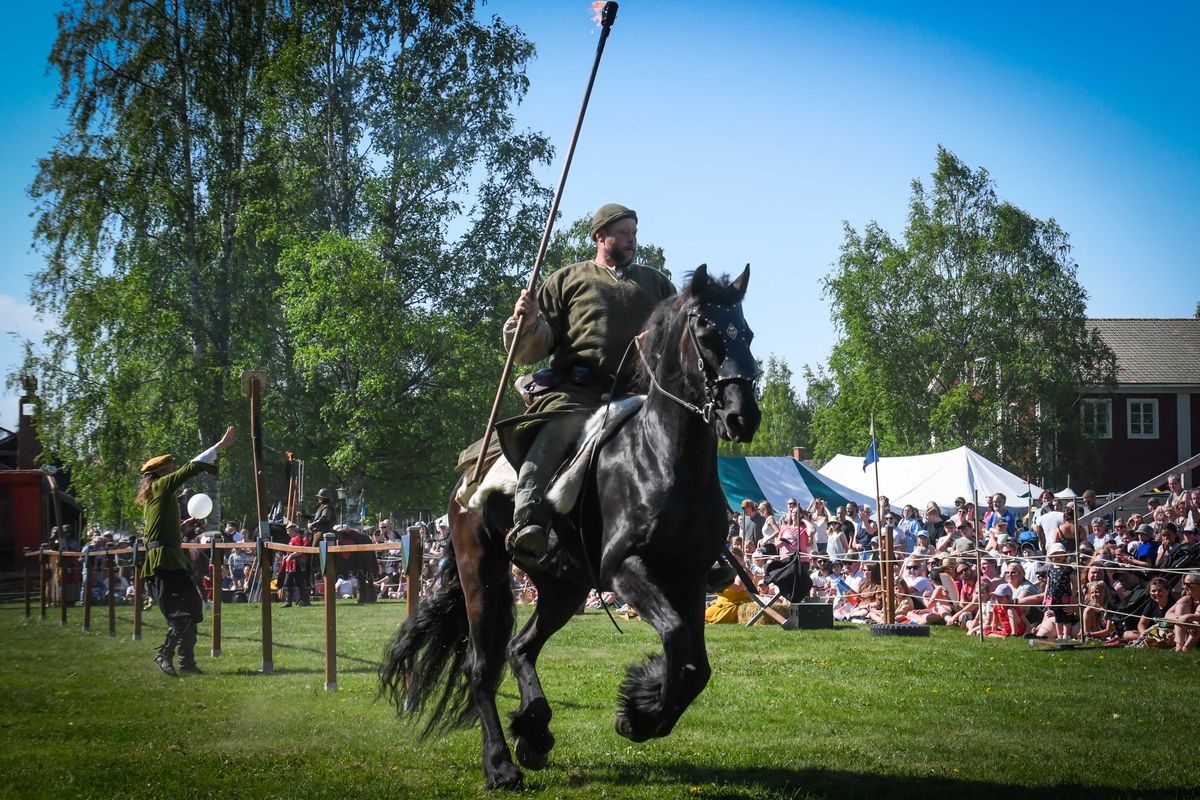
(621, 257)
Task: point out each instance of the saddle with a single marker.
(567, 483)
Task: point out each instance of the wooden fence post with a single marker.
(25, 581)
(214, 559)
(85, 578)
(266, 569)
(329, 570)
(253, 382)
(137, 594)
(43, 581)
(62, 588)
(416, 561)
(110, 574)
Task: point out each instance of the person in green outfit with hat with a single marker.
(583, 318)
(167, 570)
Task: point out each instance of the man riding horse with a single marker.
(583, 318)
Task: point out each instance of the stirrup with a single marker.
(528, 544)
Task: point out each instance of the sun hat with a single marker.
(155, 463)
(1056, 548)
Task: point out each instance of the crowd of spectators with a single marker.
(1125, 579)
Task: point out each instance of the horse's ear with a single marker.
(700, 280)
(741, 282)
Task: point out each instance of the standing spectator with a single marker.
(167, 570)
(998, 509)
(1175, 487)
(752, 524)
(818, 516)
(1060, 591)
(934, 523)
(237, 562)
(838, 541)
(769, 544)
(1047, 523)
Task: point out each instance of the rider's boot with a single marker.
(529, 539)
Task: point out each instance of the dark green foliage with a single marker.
(333, 193)
(971, 331)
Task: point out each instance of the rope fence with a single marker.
(53, 584)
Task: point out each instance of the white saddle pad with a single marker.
(568, 481)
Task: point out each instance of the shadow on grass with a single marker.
(774, 782)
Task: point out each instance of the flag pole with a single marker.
(885, 535)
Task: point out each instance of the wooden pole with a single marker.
(416, 560)
(62, 589)
(43, 581)
(327, 567)
(110, 573)
(25, 582)
(215, 558)
(254, 382)
(607, 17)
(137, 594)
(85, 578)
(978, 564)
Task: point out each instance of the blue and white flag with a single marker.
(872, 451)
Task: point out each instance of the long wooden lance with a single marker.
(607, 17)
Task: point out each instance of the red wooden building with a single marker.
(1152, 421)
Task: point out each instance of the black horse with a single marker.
(652, 519)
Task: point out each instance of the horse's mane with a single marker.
(664, 330)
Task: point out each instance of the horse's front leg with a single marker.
(530, 725)
(490, 615)
(657, 691)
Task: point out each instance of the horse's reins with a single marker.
(727, 372)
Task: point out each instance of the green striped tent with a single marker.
(775, 479)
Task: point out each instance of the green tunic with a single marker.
(162, 519)
(588, 316)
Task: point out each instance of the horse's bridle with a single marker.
(735, 367)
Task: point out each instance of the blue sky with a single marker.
(750, 133)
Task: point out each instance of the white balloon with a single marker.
(199, 506)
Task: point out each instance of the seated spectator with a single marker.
(1095, 623)
(724, 610)
(346, 587)
(1148, 632)
(1186, 614)
(917, 581)
(968, 596)
(869, 594)
(922, 548)
(823, 578)
(389, 585)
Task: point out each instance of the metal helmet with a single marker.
(325, 494)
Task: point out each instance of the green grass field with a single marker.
(787, 715)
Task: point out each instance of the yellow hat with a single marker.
(155, 463)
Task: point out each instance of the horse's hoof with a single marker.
(625, 728)
(529, 756)
(506, 776)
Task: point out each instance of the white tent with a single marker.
(940, 477)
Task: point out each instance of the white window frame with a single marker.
(1106, 415)
(1152, 402)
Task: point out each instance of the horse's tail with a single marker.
(427, 656)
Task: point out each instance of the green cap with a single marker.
(610, 213)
